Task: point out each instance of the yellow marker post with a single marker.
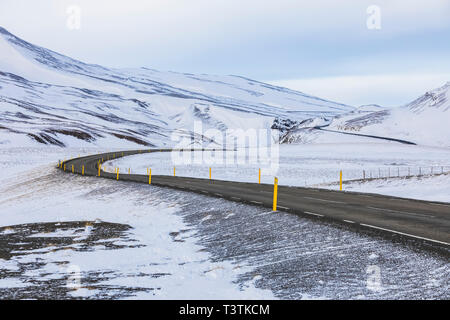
(82, 170)
(259, 176)
(340, 180)
(117, 170)
(174, 171)
(150, 176)
(209, 173)
(99, 167)
(129, 170)
(73, 170)
(64, 167)
(275, 194)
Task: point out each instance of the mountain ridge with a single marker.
(423, 121)
(51, 98)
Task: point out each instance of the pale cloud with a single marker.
(387, 90)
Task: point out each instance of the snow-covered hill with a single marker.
(424, 121)
(49, 98)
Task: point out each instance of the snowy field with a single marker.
(319, 165)
(158, 259)
(435, 188)
(67, 236)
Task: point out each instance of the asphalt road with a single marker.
(423, 220)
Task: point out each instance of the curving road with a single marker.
(423, 220)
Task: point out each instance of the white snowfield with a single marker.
(33, 192)
(434, 188)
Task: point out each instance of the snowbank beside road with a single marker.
(431, 188)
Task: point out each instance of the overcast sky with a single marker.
(321, 47)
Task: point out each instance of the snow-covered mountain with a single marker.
(49, 98)
(424, 121)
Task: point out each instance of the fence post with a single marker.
(275, 194)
